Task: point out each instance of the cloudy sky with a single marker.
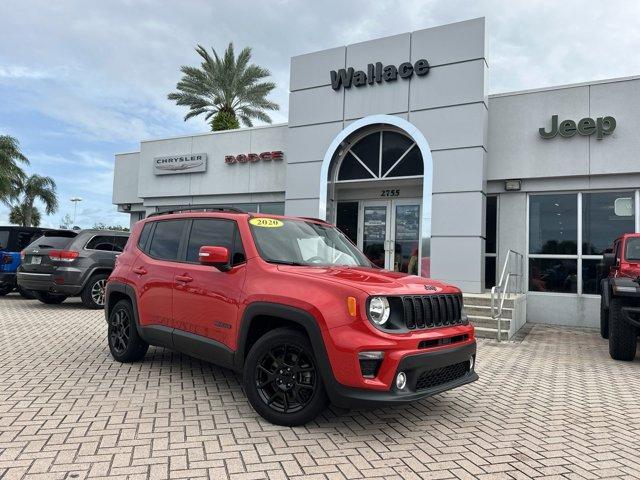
(81, 80)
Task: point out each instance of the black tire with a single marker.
(93, 293)
(125, 344)
(49, 298)
(5, 290)
(280, 374)
(604, 318)
(27, 294)
(622, 336)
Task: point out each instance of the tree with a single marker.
(117, 228)
(24, 215)
(10, 157)
(228, 90)
(29, 189)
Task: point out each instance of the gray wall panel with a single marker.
(303, 180)
(459, 170)
(458, 214)
(310, 142)
(312, 69)
(459, 261)
(125, 178)
(455, 42)
(452, 127)
(317, 105)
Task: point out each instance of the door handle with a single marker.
(184, 278)
(140, 271)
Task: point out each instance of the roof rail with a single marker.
(314, 219)
(210, 208)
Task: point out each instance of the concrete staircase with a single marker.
(478, 309)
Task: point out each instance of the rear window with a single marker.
(166, 239)
(52, 242)
(632, 252)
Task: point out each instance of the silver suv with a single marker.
(65, 263)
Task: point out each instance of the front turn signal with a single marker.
(351, 306)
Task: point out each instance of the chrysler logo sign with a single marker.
(189, 163)
(377, 73)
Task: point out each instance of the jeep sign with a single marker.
(601, 126)
(189, 163)
(377, 73)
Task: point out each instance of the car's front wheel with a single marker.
(604, 318)
(125, 344)
(28, 294)
(49, 298)
(623, 337)
(282, 380)
(93, 294)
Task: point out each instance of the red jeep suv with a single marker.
(291, 304)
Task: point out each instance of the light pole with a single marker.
(75, 201)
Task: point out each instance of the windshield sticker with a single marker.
(266, 222)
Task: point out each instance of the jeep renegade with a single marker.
(620, 300)
(291, 304)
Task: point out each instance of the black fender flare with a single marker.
(94, 270)
(306, 320)
(128, 291)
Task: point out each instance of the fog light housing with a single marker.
(472, 363)
(370, 363)
(401, 381)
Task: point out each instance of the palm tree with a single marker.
(29, 189)
(228, 90)
(19, 213)
(10, 156)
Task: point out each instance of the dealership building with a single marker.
(396, 141)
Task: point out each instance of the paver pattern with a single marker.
(551, 406)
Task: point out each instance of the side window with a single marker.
(166, 239)
(144, 236)
(616, 250)
(219, 233)
(119, 243)
(100, 242)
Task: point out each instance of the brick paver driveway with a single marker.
(553, 405)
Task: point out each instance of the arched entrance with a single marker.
(376, 184)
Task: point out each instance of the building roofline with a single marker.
(245, 129)
(127, 153)
(568, 85)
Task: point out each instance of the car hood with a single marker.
(372, 280)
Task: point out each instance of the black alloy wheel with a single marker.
(124, 341)
(286, 378)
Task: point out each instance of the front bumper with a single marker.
(417, 367)
(46, 282)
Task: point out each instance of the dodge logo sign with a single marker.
(253, 157)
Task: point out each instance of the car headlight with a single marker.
(379, 310)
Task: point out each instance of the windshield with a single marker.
(632, 252)
(296, 242)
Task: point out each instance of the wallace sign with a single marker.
(377, 73)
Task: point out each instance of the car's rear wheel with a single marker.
(282, 380)
(125, 344)
(622, 336)
(93, 294)
(5, 290)
(49, 298)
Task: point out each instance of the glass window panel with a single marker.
(166, 239)
(553, 224)
(553, 275)
(368, 150)
(632, 250)
(351, 169)
(592, 274)
(407, 223)
(101, 242)
(394, 144)
(489, 272)
(411, 165)
(347, 219)
(274, 208)
(492, 224)
(374, 234)
(215, 233)
(600, 223)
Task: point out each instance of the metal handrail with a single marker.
(499, 292)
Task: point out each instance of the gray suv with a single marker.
(65, 263)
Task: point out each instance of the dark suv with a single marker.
(292, 304)
(64, 263)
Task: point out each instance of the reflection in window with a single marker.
(553, 224)
(592, 273)
(602, 222)
(553, 275)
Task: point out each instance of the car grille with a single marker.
(440, 376)
(429, 311)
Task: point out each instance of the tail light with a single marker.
(63, 255)
(7, 259)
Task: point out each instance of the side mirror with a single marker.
(609, 261)
(215, 256)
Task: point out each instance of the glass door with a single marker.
(405, 239)
(375, 232)
(389, 234)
